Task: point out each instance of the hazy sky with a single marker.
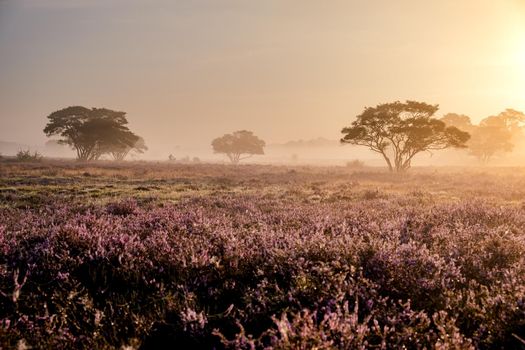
(187, 71)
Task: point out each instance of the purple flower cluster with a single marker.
(256, 271)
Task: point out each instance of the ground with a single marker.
(140, 254)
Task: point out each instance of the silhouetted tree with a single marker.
(497, 134)
(460, 121)
(494, 134)
(91, 132)
(488, 140)
(120, 151)
(510, 120)
(398, 131)
(236, 144)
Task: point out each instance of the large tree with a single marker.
(398, 131)
(91, 132)
(236, 144)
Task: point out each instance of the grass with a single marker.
(105, 181)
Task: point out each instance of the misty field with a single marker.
(156, 255)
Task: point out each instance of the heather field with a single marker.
(157, 255)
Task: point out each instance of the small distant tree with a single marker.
(497, 134)
(489, 140)
(494, 135)
(236, 144)
(121, 150)
(398, 131)
(509, 119)
(91, 132)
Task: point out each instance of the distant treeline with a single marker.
(398, 131)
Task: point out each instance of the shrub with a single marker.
(355, 164)
(27, 156)
(255, 271)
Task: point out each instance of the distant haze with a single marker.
(188, 71)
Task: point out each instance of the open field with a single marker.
(107, 255)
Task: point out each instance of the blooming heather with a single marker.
(256, 271)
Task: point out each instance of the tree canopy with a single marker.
(119, 152)
(460, 121)
(398, 131)
(93, 132)
(236, 144)
(494, 135)
(489, 140)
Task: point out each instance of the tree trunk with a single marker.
(390, 168)
(234, 158)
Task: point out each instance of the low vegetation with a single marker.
(27, 156)
(210, 256)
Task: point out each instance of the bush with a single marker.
(236, 271)
(27, 156)
(355, 164)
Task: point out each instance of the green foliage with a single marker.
(398, 131)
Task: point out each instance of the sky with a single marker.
(187, 71)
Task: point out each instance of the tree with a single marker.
(509, 119)
(460, 121)
(91, 132)
(494, 134)
(236, 144)
(497, 134)
(398, 131)
(488, 140)
(120, 151)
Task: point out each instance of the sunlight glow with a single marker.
(514, 62)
